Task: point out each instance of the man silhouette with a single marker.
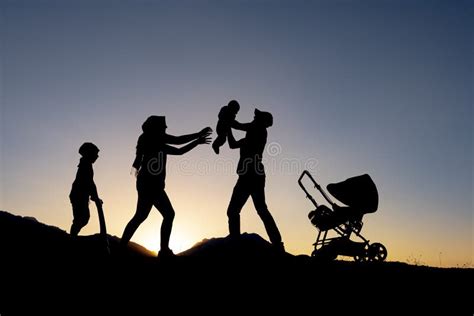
(251, 180)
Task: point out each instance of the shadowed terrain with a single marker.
(42, 264)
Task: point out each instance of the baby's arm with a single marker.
(240, 126)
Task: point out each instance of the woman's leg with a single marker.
(144, 206)
(163, 204)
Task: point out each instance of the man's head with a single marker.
(263, 118)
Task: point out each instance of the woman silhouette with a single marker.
(150, 165)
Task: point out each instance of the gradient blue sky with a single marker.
(378, 87)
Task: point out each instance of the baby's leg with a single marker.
(221, 130)
(218, 142)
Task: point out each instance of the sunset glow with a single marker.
(377, 87)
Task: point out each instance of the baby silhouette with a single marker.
(226, 120)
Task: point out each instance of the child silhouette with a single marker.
(83, 187)
(226, 121)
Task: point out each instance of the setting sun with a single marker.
(179, 242)
(205, 153)
(383, 88)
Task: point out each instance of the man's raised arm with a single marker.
(232, 142)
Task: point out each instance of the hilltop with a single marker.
(36, 256)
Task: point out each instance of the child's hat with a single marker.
(88, 148)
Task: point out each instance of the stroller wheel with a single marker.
(360, 258)
(377, 252)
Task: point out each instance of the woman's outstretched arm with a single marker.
(183, 139)
(170, 150)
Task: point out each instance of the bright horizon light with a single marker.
(370, 86)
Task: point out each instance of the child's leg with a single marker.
(218, 142)
(81, 214)
(221, 130)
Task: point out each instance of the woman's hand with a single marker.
(204, 139)
(205, 132)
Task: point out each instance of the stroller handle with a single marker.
(316, 185)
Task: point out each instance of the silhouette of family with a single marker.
(153, 147)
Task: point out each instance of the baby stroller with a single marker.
(361, 197)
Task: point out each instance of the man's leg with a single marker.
(237, 201)
(258, 197)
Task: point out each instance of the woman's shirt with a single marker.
(151, 160)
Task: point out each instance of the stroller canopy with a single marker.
(357, 192)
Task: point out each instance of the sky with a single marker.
(377, 87)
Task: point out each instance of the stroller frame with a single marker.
(329, 248)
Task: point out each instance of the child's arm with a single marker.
(85, 178)
(94, 194)
(183, 139)
(170, 150)
(92, 187)
(232, 142)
